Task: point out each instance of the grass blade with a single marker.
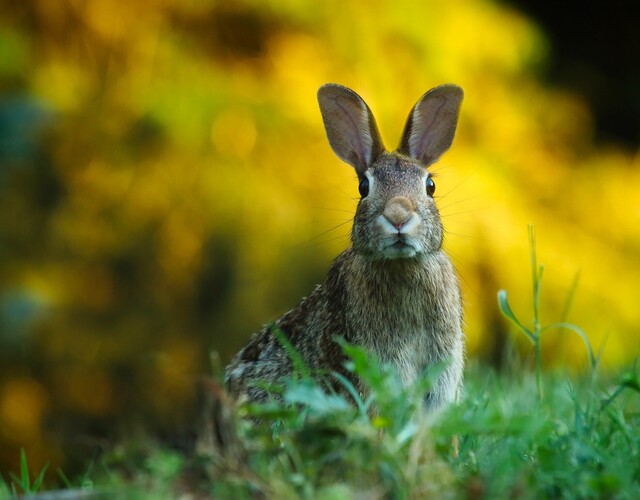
(5, 492)
(63, 477)
(570, 296)
(38, 480)
(577, 330)
(16, 480)
(24, 471)
(505, 309)
(353, 392)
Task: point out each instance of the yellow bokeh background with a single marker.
(175, 191)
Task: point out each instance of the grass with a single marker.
(534, 333)
(521, 434)
(22, 484)
(581, 441)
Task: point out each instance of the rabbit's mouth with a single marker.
(400, 244)
(399, 248)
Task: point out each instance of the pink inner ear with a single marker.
(357, 128)
(424, 117)
(350, 126)
(433, 128)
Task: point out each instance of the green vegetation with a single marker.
(580, 438)
(534, 334)
(504, 440)
(581, 441)
(22, 484)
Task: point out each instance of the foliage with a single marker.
(22, 485)
(535, 333)
(581, 441)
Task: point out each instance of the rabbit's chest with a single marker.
(408, 350)
(404, 337)
(405, 314)
(405, 345)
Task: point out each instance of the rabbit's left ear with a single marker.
(431, 125)
(350, 126)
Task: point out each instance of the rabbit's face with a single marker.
(396, 217)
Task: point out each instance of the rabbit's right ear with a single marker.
(432, 124)
(350, 126)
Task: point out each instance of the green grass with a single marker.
(534, 333)
(581, 441)
(22, 484)
(522, 433)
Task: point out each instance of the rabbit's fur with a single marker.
(394, 292)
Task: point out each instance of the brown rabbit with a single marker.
(394, 292)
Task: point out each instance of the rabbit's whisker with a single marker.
(456, 202)
(322, 234)
(468, 237)
(471, 210)
(351, 212)
(458, 185)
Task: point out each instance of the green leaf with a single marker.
(311, 395)
(353, 392)
(365, 365)
(506, 311)
(429, 376)
(578, 331)
(630, 381)
(270, 411)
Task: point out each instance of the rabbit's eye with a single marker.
(363, 187)
(431, 186)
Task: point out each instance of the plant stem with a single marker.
(536, 275)
(538, 355)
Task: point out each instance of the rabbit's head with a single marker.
(396, 217)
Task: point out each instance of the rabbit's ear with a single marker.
(432, 123)
(350, 126)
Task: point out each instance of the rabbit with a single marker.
(394, 292)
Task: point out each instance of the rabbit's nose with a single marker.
(398, 211)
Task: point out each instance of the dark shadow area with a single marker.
(595, 52)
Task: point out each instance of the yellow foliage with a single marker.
(23, 402)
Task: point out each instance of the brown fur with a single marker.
(394, 292)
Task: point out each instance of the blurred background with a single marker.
(166, 186)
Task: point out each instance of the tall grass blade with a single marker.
(536, 274)
(24, 471)
(570, 296)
